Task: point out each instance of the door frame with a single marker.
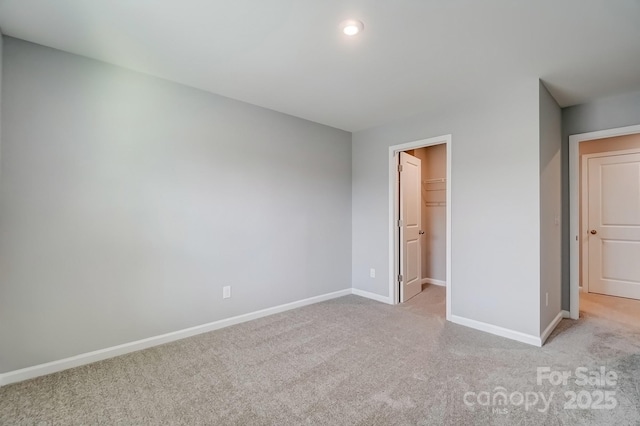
(575, 208)
(394, 212)
(584, 208)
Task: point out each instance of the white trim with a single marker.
(434, 282)
(574, 207)
(372, 296)
(497, 330)
(566, 314)
(584, 208)
(448, 225)
(393, 213)
(547, 331)
(90, 357)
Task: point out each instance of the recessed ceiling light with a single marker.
(351, 27)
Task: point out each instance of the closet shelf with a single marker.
(432, 181)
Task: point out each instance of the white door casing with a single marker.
(410, 216)
(614, 225)
(576, 236)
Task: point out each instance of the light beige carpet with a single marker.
(348, 361)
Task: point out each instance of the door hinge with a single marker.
(399, 223)
(399, 278)
(399, 167)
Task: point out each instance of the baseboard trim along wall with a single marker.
(101, 354)
(547, 331)
(566, 314)
(373, 296)
(498, 331)
(434, 282)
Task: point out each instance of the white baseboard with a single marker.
(373, 296)
(566, 314)
(498, 331)
(547, 331)
(89, 357)
(434, 282)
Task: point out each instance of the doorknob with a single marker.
(421, 232)
(594, 232)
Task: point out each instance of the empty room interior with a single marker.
(334, 213)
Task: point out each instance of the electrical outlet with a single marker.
(372, 273)
(226, 292)
(547, 297)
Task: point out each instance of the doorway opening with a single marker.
(604, 179)
(420, 218)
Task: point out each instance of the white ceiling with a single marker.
(414, 56)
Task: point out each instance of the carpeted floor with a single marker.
(348, 361)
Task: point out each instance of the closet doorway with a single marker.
(420, 216)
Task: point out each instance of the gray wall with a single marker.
(608, 113)
(550, 208)
(1, 49)
(127, 202)
(495, 206)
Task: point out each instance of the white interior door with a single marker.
(614, 225)
(410, 216)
